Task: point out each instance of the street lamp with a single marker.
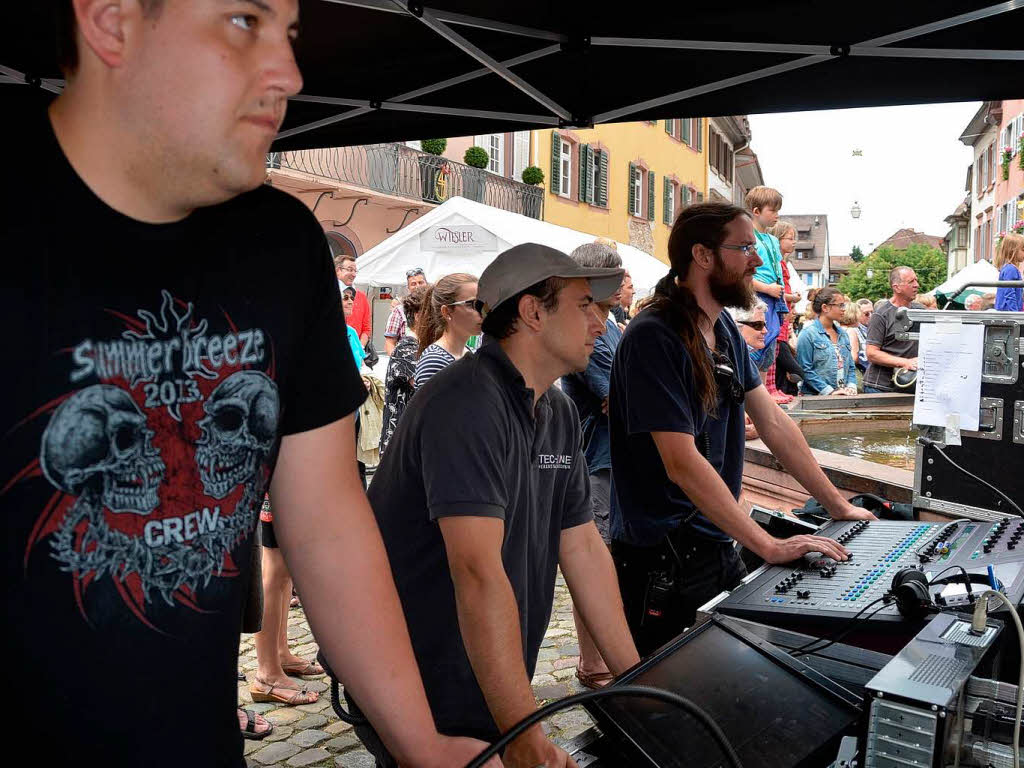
(855, 210)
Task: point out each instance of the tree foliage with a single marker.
(857, 254)
(929, 264)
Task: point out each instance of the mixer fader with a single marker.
(817, 587)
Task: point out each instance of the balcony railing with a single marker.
(396, 169)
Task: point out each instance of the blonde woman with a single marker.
(1010, 263)
(448, 318)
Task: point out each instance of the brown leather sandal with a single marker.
(298, 695)
(303, 669)
(594, 680)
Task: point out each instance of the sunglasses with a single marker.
(757, 325)
(725, 374)
(413, 272)
(475, 304)
(839, 306)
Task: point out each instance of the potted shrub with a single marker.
(474, 180)
(533, 175)
(532, 198)
(430, 165)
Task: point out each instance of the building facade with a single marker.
(361, 195)
(623, 181)
(1008, 195)
(726, 136)
(811, 257)
(982, 133)
(957, 242)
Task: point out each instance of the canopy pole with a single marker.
(452, 81)
(462, 19)
(872, 44)
(13, 76)
(428, 18)
(936, 53)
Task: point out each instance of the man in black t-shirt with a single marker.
(681, 383)
(886, 353)
(483, 493)
(174, 334)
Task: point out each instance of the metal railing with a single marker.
(396, 169)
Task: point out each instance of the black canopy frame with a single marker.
(401, 70)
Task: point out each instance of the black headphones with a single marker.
(910, 591)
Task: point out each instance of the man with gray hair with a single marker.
(885, 352)
(588, 390)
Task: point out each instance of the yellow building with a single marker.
(625, 181)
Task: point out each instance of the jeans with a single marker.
(873, 391)
(707, 568)
(601, 501)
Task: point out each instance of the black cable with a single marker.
(934, 444)
(640, 691)
(841, 634)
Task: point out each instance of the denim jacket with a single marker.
(817, 358)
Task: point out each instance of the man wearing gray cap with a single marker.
(483, 493)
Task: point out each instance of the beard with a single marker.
(730, 289)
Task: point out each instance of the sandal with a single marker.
(249, 731)
(593, 680)
(298, 695)
(303, 669)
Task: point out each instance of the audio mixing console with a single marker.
(819, 589)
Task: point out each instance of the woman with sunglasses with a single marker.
(823, 349)
(753, 329)
(448, 318)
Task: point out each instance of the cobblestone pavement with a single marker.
(312, 735)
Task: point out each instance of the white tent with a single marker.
(982, 271)
(464, 236)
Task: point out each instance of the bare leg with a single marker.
(268, 641)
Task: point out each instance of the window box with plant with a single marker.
(1005, 161)
(430, 162)
(474, 183)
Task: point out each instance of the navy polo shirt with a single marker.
(471, 442)
(652, 390)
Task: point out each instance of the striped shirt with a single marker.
(434, 358)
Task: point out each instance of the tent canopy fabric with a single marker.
(387, 262)
(382, 70)
(982, 271)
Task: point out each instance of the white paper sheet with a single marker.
(949, 374)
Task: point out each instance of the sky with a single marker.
(911, 172)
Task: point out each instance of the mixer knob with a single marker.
(803, 594)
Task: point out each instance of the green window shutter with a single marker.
(632, 189)
(686, 131)
(650, 195)
(684, 195)
(700, 197)
(700, 134)
(666, 199)
(602, 189)
(556, 145)
(583, 173)
(668, 126)
(590, 174)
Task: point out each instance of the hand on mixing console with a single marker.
(788, 550)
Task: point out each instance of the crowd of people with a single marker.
(186, 355)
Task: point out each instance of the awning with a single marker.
(382, 70)
(461, 235)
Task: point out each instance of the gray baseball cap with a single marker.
(521, 266)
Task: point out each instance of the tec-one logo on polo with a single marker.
(554, 461)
